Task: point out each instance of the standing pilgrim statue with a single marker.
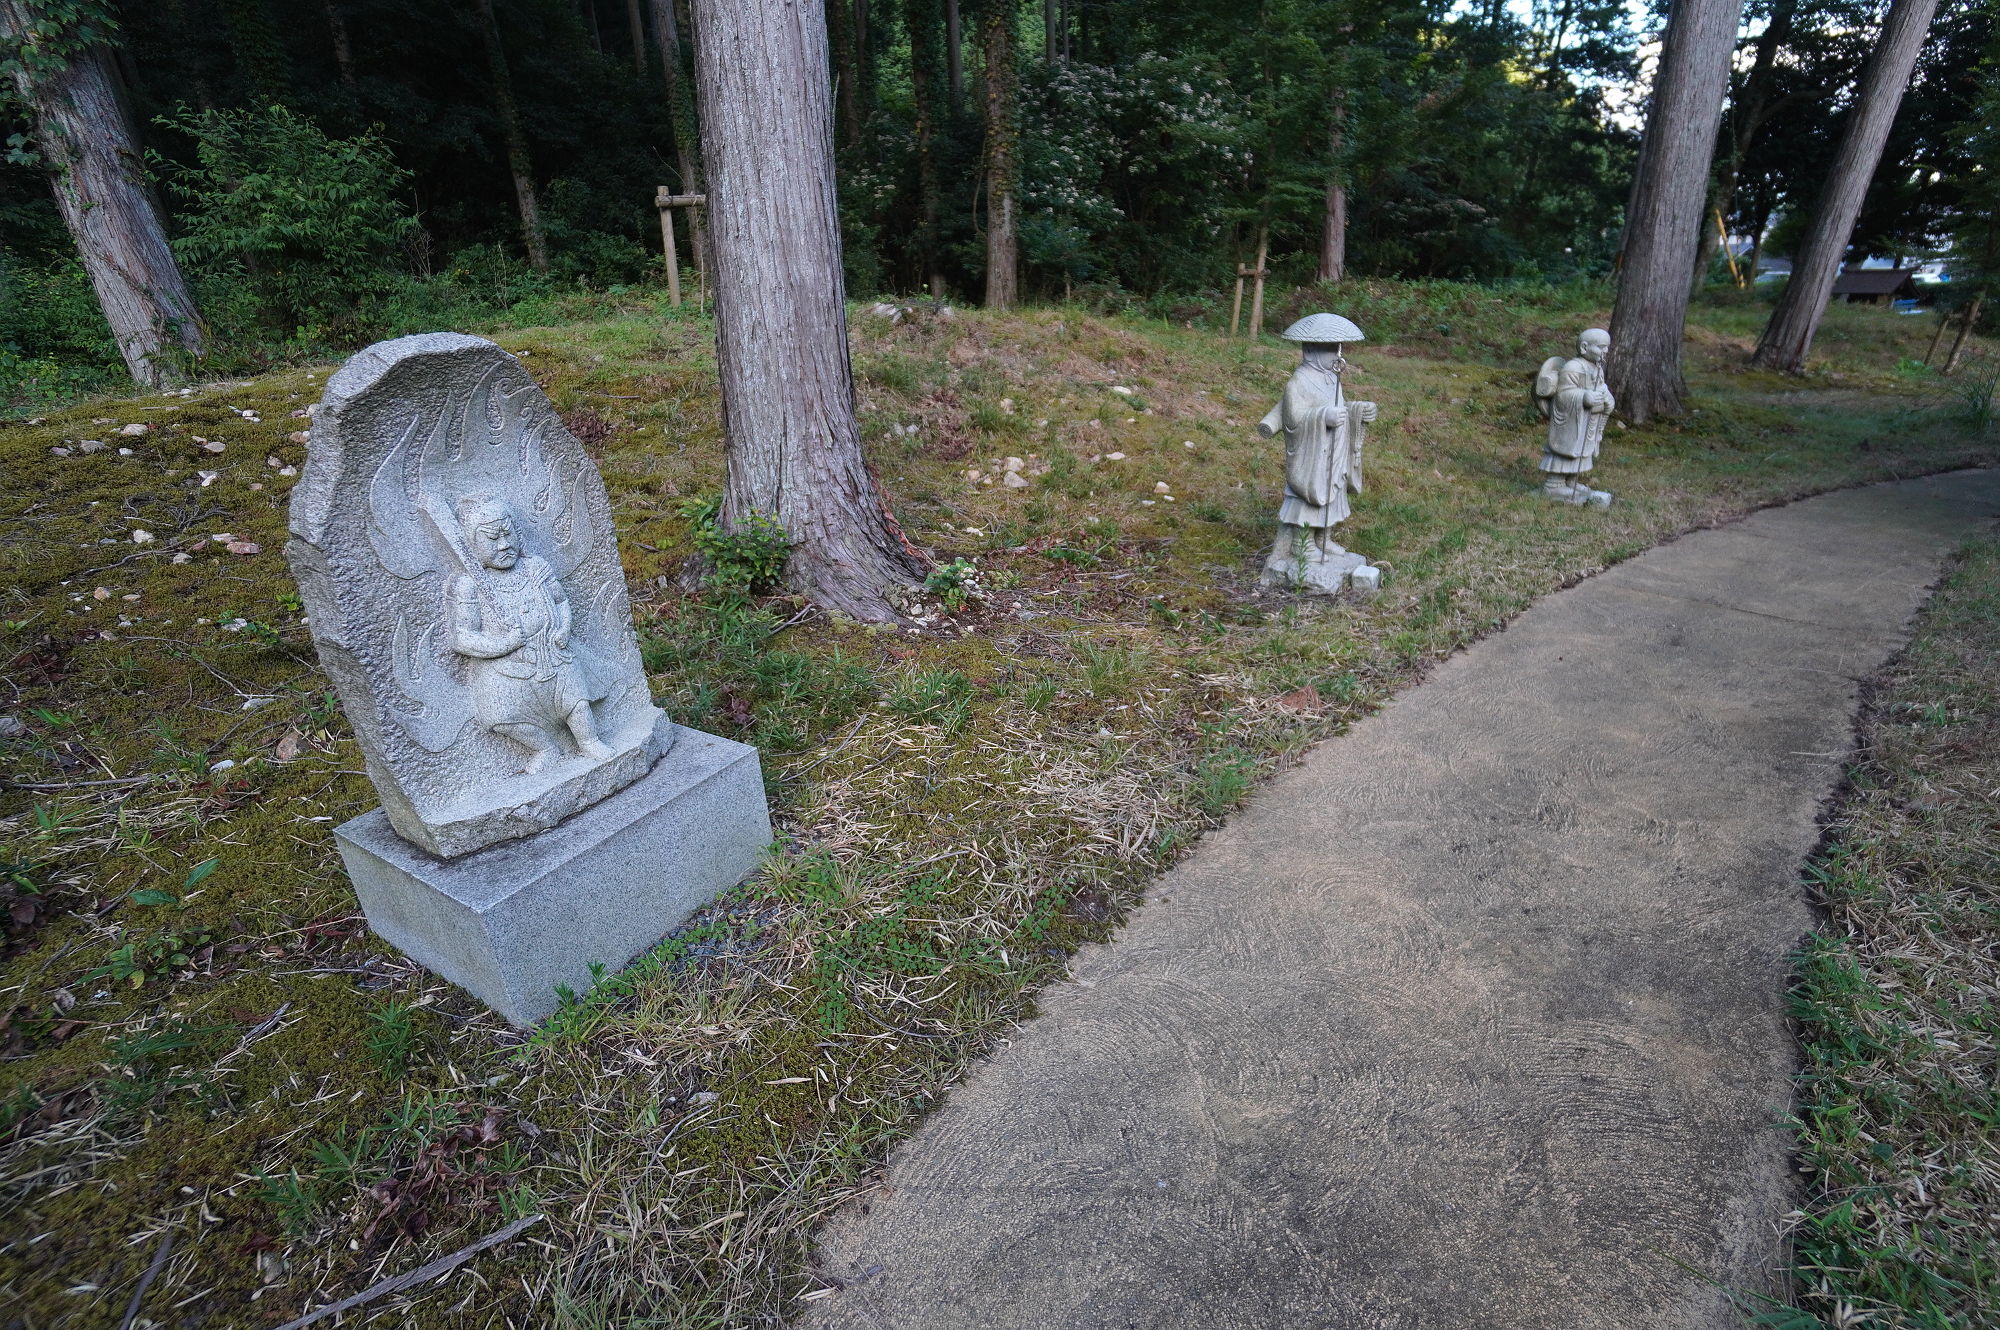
(1324, 438)
(1577, 402)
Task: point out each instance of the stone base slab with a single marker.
(513, 921)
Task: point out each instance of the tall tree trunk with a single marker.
(794, 450)
(343, 46)
(846, 79)
(635, 22)
(1788, 336)
(84, 133)
(1051, 15)
(1333, 234)
(680, 103)
(519, 165)
(1668, 191)
(588, 8)
(954, 53)
(1003, 247)
(864, 60)
(920, 20)
(1747, 116)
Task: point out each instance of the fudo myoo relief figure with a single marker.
(511, 618)
(1577, 402)
(1324, 438)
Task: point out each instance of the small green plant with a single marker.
(955, 584)
(293, 1199)
(392, 1037)
(749, 559)
(1222, 779)
(937, 697)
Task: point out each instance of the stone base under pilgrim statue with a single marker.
(513, 921)
(1319, 571)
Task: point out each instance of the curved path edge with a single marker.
(1473, 1019)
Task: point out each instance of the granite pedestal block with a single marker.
(511, 922)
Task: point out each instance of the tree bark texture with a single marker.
(1748, 112)
(794, 449)
(343, 46)
(1669, 191)
(840, 33)
(84, 133)
(1003, 245)
(635, 21)
(920, 20)
(519, 165)
(954, 53)
(1333, 233)
(1788, 337)
(680, 105)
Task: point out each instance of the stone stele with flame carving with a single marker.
(454, 550)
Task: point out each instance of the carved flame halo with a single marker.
(413, 526)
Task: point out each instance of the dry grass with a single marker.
(1898, 993)
(961, 807)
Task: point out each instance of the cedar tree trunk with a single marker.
(86, 140)
(635, 21)
(680, 104)
(794, 450)
(1788, 336)
(1003, 245)
(1333, 234)
(343, 47)
(954, 53)
(1669, 189)
(920, 21)
(519, 165)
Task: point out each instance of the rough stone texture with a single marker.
(1476, 1018)
(413, 601)
(511, 922)
(1577, 403)
(1325, 436)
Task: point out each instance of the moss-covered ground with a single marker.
(205, 1058)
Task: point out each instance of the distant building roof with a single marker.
(1873, 281)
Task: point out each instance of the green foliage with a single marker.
(392, 1037)
(748, 559)
(933, 697)
(956, 584)
(308, 226)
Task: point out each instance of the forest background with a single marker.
(339, 170)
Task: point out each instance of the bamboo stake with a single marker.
(1236, 306)
(1722, 229)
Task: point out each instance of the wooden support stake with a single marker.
(1722, 229)
(1958, 343)
(1236, 306)
(666, 202)
(1256, 328)
(1937, 338)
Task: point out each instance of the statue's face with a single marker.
(493, 544)
(1594, 346)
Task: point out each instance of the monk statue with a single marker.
(1574, 397)
(1324, 436)
(510, 618)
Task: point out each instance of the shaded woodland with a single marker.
(329, 170)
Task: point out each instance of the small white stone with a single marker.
(142, 537)
(136, 428)
(1114, 457)
(1121, 390)
(1161, 487)
(1016, 481)
(224, 765)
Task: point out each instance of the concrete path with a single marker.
(1475, 1019)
